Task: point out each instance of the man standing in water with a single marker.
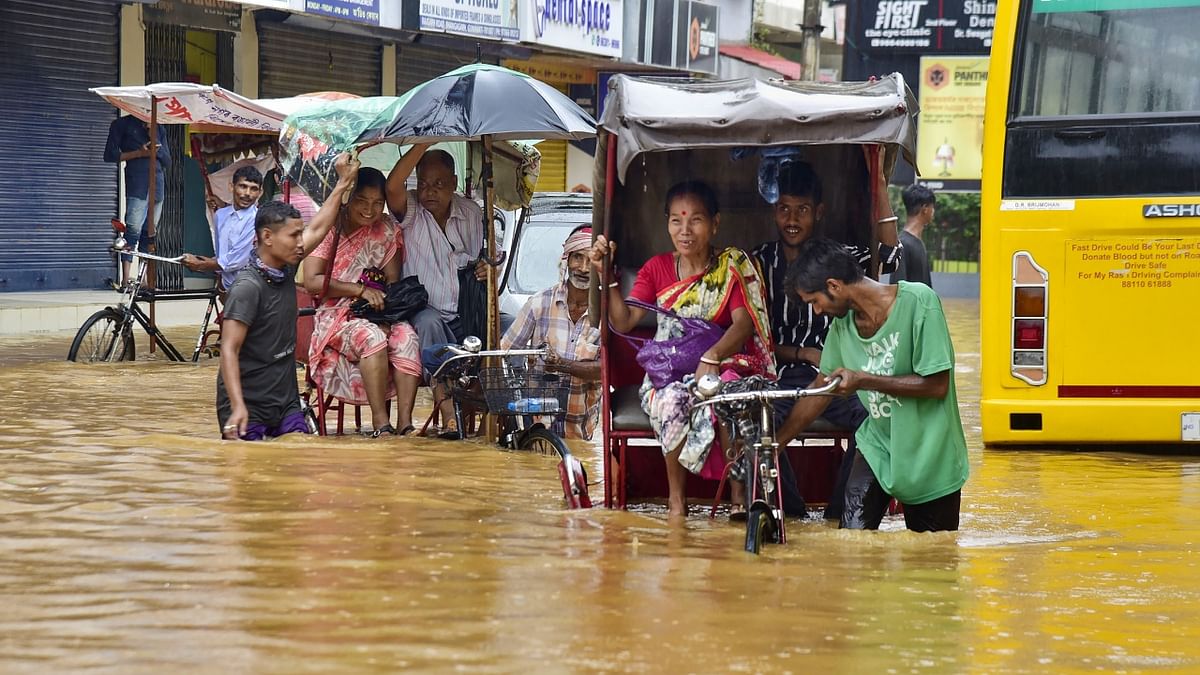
(891, 346)
(257, 392)
(558, 316)
(919, 205)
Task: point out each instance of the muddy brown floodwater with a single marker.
(131, 540)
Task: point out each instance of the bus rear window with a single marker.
(1109, 57)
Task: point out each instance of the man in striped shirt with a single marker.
(443, 232)
(797, 331)
(558, 317)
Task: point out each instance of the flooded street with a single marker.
(131, 540)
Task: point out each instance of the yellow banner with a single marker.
(950, 126)
(553, 71)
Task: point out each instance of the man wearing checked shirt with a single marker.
(558, 317)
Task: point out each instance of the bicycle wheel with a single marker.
(100, 338)
(761, 528)
(542, 441)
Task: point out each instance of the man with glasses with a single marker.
(443, 232)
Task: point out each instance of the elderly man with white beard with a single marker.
(557, 317)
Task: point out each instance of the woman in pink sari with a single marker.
(351, 358)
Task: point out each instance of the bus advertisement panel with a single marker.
(1090, 240)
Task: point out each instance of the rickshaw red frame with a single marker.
(831, 118)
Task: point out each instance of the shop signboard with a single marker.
(924, 26)
(592, 26)
(950, 126)
(489, 19)
(696, 44)
(358, 11)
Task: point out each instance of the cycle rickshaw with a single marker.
(655, 132)
(223, 126)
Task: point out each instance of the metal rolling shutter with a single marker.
(418, 63)
(296, 60)
(58, 194)
(553, 177)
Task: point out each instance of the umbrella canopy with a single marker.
(480, 100)
(208, 107)
(312, 139)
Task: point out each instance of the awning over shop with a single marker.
(789, 70)
(656, 114)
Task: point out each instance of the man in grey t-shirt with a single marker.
(919, 204)
(257, 392)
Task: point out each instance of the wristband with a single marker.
(889, 219)
(361, 287)
(711, 362)
(614, 284)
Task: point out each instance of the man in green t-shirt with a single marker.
(890, 345)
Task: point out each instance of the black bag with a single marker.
(403, 300)
(472, 303)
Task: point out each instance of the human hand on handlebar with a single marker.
(851, 381)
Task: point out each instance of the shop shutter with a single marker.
(416, 63)
(295, 60)
(166, 62)
(553, 177)
(58, 194)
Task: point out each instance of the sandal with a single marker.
(385, 429)
(737, 513)
(408, 429)
(450, 433)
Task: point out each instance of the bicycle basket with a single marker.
(524, 390)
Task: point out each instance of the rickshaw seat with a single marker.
(627, 413)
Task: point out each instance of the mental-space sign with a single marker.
(592, 26)
(950, 126)
(490, 19)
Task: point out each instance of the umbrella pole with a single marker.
(489, 224)
(152, 273)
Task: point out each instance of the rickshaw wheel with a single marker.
(544, 442)
(97, 339)
(761, 528)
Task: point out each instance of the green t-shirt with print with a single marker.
(915, 446)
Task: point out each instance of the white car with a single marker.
(535, 248)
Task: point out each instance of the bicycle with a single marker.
(744, 406)
(517, 395)
(107, 335)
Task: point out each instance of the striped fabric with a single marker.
(793, 322)
(435, 256)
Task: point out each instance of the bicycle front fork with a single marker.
(768, 483)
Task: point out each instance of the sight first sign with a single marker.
(592, 26)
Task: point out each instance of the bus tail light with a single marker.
(1030, 310)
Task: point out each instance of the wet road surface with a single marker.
(131, 540)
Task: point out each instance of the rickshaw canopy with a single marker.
(209, 108)
(657, 114)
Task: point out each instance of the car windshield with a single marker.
(538, 253)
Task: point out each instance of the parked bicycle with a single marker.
(522, 395)
(745, 408)
(107, 335)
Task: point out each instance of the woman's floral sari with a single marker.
(705, 296)
(365, 248)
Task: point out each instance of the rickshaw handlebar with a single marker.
(766, 395)
(460, 354)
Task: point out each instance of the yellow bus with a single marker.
(1090, 261)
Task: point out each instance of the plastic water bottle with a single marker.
(547, 404)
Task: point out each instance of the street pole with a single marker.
(811, 32)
